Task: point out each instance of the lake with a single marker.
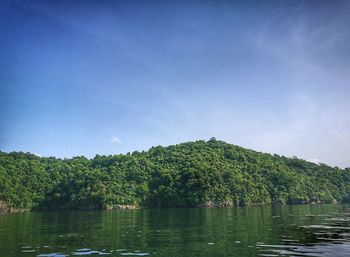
(297, 230)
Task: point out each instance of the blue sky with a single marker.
(108, 77)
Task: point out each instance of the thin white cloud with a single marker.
(115, 140)
(311, 126)
(314, 160)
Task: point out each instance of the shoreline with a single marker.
(9, 210)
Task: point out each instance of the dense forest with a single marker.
(201, 173)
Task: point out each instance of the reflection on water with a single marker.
(307, 230)
(328, 237)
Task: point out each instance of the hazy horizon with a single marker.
(86, 78)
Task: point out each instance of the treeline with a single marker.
(189, 174)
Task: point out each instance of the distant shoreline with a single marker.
(136, 207)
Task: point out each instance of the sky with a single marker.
(110, 77)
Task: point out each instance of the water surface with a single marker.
(304, 230)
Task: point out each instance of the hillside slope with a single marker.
(188, 174)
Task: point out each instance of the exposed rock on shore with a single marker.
(3, 207)
(122, 207)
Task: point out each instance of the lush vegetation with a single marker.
(188, 174)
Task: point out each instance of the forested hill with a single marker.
(188, 174)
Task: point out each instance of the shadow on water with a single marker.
(305, 230)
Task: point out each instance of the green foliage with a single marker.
(188, 174)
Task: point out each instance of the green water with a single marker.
(304, 230)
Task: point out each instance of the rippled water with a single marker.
(305, 230)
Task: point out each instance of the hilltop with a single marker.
(200, 173)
